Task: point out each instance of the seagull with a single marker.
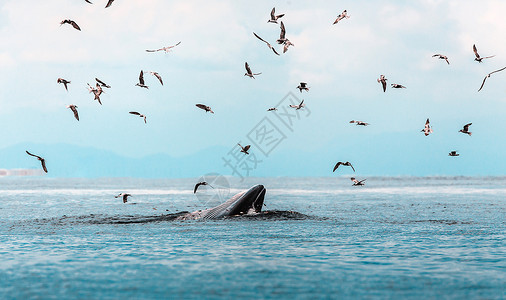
(248, 71)
(297, 107)
(283, 40)
(478, 58)
(73, 108)
(272, 108)
(303, 86)
(124, 196)
(109, 3)
(397, 86)
(356, 182)
(453, 153)
(157, 76)
(488, 75)
(103, 84)
(141, 81)
(139, 114)
(97, 92)
(65, 82)
(344, 164)
(427, 130)
(359, 123)
(204, 107)
(383, 81)
(244, 149)
(274, 18)
(199, 184)
(343, 15)
(287, 44)
(268, 45)
(441, 56)
(42, 161)
(165, 49)
(74, 24)
(466, 129)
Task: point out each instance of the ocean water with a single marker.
(320, 238)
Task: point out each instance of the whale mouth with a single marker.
(253, 199)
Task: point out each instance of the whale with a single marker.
(245, 202)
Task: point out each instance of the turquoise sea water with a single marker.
(405, 237)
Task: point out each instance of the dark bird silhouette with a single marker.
(88, 1)
(42, 161)
(272, 109)
(65, 82)
(282, 38)
(453, 153)
(339, 163)
(303, 86)
(204, 107)
(383, 82)
(165, 49)
(109, 3)
(139, 114)
(248, 71)
(297, 107)
(441, 56)
(268, 44)
(73, 108)
(343, 15)
(74, 24)
(397, 86)
(466, 129)
(157, 76)
(488, 75)
(199, 184)
(356, 182)
(102, 84)
(96, 91)
(478, 57)
(244, 149)
(274, 18)
(141, 81)
(427, 130)
(359, 123)
(123, 196)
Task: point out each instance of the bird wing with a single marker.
(302, 102)
(351, 166)
(446, 58)
(158, 76)
(283, 31)
(273, 17)
(497, 71)
(384, 84)
(202, 106)
(466, 127)
(109, 3)
(141, 78)
(260, 38)
(196, 187)
(488, 57)
(247, 68)
(246, 148)
(362, 181)
(337, 166)
(438, 55)
(152, 50)
(483, 83)
(43, 163)
(101, 82)
(303, 84)
(74, 24)
(427, 122)
(274, 51)
(76, 115)
(475, 51)
(32, 154)
(135, 113)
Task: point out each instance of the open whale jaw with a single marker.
(250, 201)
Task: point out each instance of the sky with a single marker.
(339, 62)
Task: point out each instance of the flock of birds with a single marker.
(97, 90)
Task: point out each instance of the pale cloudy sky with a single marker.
(340, 63)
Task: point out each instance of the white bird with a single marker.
(268, 44)
(343, 15)
(139, 114)
(65, 82)
(359, 123)
(157, 76)
(488, 75)
(427, 130)
(96, 91)
(73, 108)
(274, 18)
(397, 86)
(478, 57)
(165, 49)
(123, 196)
(141, 81)
(441, 56)
(356, 182)
(248, 71)
(297, 107)
(383, 82)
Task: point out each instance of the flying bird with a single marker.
(297, 107)
(303, 86)
(73, 108)
(139, 114)
(74, 24)
(453, 153)
(466, 129)
(427, 130)
(272, 109)
(199, 184)
(383, 82)
(287, 44)
(165, 49)
(102, 84)
(65, 82)
(141, 81)
(441, 56)
(244, 149)
(109, 3)
(96, 91)
(488, 75)
(274, 17)
(123, 196)
(268, 44)
(478, 57)
(248, 71)
(344, 164)
(204, 107)
(343, 15)
(157, 76)
(356, 182)
(397, 86)
(42, 161)
(359, 123)
(282, 38)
